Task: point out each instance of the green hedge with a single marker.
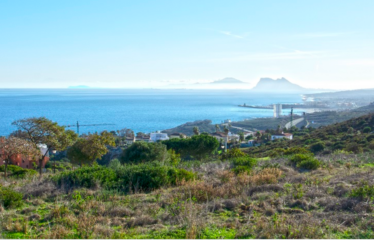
(126, 178)
(243, 164)
(305, 161)
(18, 172)
(10, 198)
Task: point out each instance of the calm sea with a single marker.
(141, 110)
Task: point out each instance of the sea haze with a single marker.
(141, 110)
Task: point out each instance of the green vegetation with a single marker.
(10, 198)
(243, 164)
(198, 146)
(321, 185)
(18, 172)
(127, 178)
(142, 152)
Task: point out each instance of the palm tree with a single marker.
(258, 135)
(279, 129)
(217, 128)
(196, 130)
(241, 136)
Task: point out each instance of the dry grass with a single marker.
(267, 203)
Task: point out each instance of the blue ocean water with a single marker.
(141, 110)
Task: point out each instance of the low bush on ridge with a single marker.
(127, 178)
(243, 164)
(18, 172)
(305, 161)
(10, 198)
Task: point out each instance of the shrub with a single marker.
(10, 198)
(317, 147)
(306, 161)
(86, 177)
(142, 152)
(363, 192)
(310, 164)
(295, 150)
(366, 130)
(146, 177)
(243, 164)
(17, 171)
(150, 176)
(233, 153)
(354, 147)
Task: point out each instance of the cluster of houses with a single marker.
(26, 161)
(223, 138)
(220, 136)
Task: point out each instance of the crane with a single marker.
(86, 125)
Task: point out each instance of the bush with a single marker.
(305, 161)
(86, 177)
(18, 172)
(366, 130)
(295, 150)
(151, 176)
(354, 147)
(243, 164)
(144, 177)
(311, 164)
(363, 192)
(142, 152)
(317, 147)
(10, 198)
(233, 153)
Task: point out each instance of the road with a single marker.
(294, 123)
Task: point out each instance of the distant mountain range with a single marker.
(282, 85)
(228, 80)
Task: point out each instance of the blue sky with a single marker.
(318, 44)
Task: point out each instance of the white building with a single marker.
(277, 110)
(158, 136)
(282, 135)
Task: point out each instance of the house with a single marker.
(26, 161)
(177, 135)
(281, 135)
(222, 136)
(158, 136)
(144, 138)
(130, 140)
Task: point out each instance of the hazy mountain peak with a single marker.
(228, 80)
(277, 85)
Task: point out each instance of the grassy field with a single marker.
(274, 200)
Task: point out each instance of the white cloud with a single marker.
(231, 34)
(289, 55)
(321, 34)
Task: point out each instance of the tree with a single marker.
(202, 145)
(226, 130)
(87, 150)
(196, 130)
(217, 128)
(43, 131)
(198, 146)
(258, 135)
(317, 147)
(241, 136)
(279, 129)
(13, 146)
(141, 152)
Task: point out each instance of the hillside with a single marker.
(284, 192)
(325, 118)
(355, 135)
